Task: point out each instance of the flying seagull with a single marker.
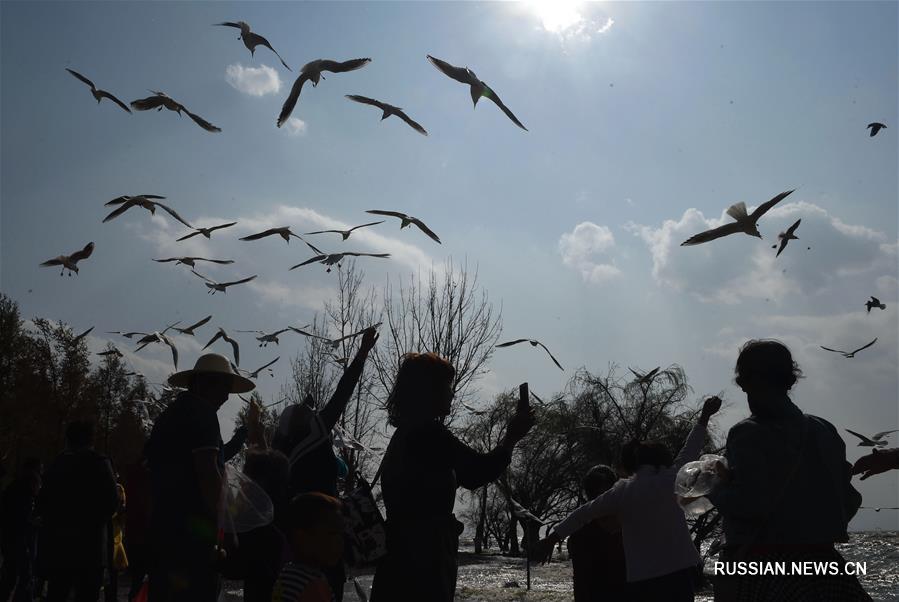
(207, 232)
(533, 343)
(101, 94)
(344, 233)
(745, 223)
(190, 329)
(406, 220)
(251, 40)
(647, 377)
(849, 354)
(255, 373)
(786, 237)
(160, 100)
(283, 232)
(477, 87)
(387, 111)
(220, 286)
(266, 338)
(875, 440)
(191, 260)
(159, 337)
(144, 200)
(70, 262)
(82, 335)
(313, 72)
(221, 334)
(874, 302)
(112, 351)
(334, 343)
(127, 335)
(875, 127)
(330, 259)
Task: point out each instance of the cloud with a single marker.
(295, 127)
(303, 296)
(571, 20)
(255, 81)
(586, 248)
(737, 267)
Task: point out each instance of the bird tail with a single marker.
(738, 211)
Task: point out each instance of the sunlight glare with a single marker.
(557, 15)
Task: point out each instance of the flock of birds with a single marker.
(744, 222)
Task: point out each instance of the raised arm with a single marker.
(694, 441)
(331, 413)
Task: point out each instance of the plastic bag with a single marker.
(695, 480)
(246, 506)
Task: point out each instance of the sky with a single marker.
(646, 121)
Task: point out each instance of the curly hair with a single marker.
(419, 380)
(768, 361)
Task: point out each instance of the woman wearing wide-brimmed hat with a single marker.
(186, 462)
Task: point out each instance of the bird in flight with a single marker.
(406, 220)
(160, 101)
(266, 338)
(387, 111)
(875, 127)
(344, 233)
(220, 286)
(874, 302)
(477, 87)
(100, 94)
(191, 261)
(312, 71)
(334, 343)
(255, 373)
(70, 262)
(112, 351)
(786, 237)
(745, 223)
(330, 259)
(283, 232)
(159, 337)
(221, 334)
(533, 343)
(875, 440)
(207, 232)
(144, 200)
(190, 329)
(81, 336)
(251, 40)
(647, 377)
(849, 354)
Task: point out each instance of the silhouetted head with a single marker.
(80, 434)
(637, 453)
(211, 386)
(765, 371)
(598, 480)
(423, 389)
(315, 529)
(270, 469)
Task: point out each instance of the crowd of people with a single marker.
(785, 494)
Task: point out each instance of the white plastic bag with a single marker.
(695, 480)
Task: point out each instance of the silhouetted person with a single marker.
(787, 495)
(17, 532)
(423, 466)
(186, 463)
(661, 557)
(316, 536)
(76, 502)
(304, 436)
(596, 549)
(878, 461)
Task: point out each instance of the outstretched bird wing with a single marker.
(349, 254)
(267, 365)
(125, 206)
(215, 337)
(764, 207)
(202, 122)
(93, 87)
(172, 212)
(174, 349)
(366, 225)
(792, 229)
(106, 94)
(882, 434)
(875, 300)
(498, 102)
(412, 123)
(150, 102)
(228, 225)
(268, 232)
(191, 328)
(239, 281)
(862, 437)
(82, 335)
(255, 39)
(866, 346)
(186, 236)
(421, 226)
(709, 235)
(783, 245)
(293, 97)
(82, 254)
(234, 346)
(343, 67)
(209, 280)
(315, 259)
(460, 74)
(367, 101)
(555, 361)
(829, 349)
(510, 343)
(390, 213)
(168, 260)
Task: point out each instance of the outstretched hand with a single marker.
(520, 424)
(369, 338)
(710, 407)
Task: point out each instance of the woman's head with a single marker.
(766, 365)
(598, 480)
(637, 453)
(423, 389)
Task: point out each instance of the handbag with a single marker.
(366, 534)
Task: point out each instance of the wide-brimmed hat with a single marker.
(213, 363)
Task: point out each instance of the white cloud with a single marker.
(295, 127)
(255, 81)
(303, 296)
(587, 249)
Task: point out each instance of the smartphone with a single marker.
(524, 398)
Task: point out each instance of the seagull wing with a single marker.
(202, 122)
(364, 225)
(764, 207)
(218, 261)
(82, 254)
(412, 123)
(866, 346)
(216, 337)
(168, 260)
(829, 349)
(106, 94)
(712, 234)
(875, 300)
(792, 229)
(93, 87)
(292, 98)
(510, 343)
(323, 232)
(150, 102)
(57, 261)
(82, 335)
(555, 361)
(390, 213)
(381, 255)
(269, 364)
(315, 259)
(498, 102)
(185, 237)
(239, 281)
(194, 326)
(229, 24)
(460, 74)
(783, 245)
(883, 434)
(174, 349)
(234, 347)
(862, 437)
(256, 39)
(119, 210)
(268, 232)
(343, 67)
(367, 101)
(228, 225)
(209, 280)
(172, 212)
(421, 226)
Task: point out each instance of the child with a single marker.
(315, 534)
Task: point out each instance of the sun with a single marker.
(557, 16)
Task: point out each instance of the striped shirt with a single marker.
(301, 583)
